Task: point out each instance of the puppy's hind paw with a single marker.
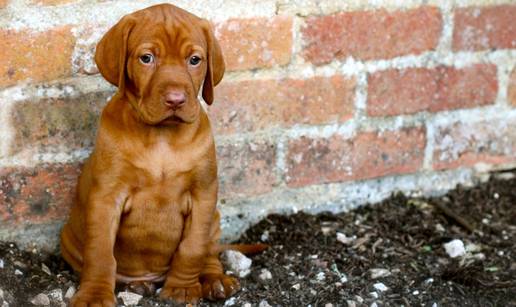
(218, 286)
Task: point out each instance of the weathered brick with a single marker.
(367, 35)
(258, 104)
(511, 92)
(489, 27)
(256, 43)
(3, 3)
(38, 56)
(37, 195)
(367, 155)
(57, 124)
(465, 144)
(246, 169)
(413, 90)
(52, 2)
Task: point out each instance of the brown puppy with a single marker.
(146, 200)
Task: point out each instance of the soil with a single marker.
(401, 238)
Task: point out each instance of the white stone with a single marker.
(56, 295)
(328, 305)
(380, 287)
(343, 239)
(296, 286)
(415, 292)
(237, 262)
(373, 294)
(343, 279)
(70, 292)
(455, 248)
(265, 236)
(374, 304)
(351, 303)
(247, 305)
(377, 273)
(1, 263)
(230, 302)
(18, 272)
(45, 269)
(359, 299)
(320, 276)
(265, 274)
(129, 298)
(264, 303)
(41, 300)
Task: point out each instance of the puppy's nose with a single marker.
(175, 99)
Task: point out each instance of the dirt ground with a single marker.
(389, 254)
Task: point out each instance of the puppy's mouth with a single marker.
(174, 119)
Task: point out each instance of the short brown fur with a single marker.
(145, 209)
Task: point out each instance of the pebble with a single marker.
(343, 279)
(18, 272)
(415, 292)
(45, 269)
(265, 274)
(343, 239)
(265, 236)
(56, 295)
(359, 299)
(377, 273)
(328, 305)
(247, 305)
(373, 294)
(41, 300)
(237, 262)
(429, 280)
(351, 303)
(70, 292)
(320, 276)
(1, 263)
(380, 287)
(374, 304)
(455, 248)
(296, 286)
(230, 302)
(264, 303)
(129, 298)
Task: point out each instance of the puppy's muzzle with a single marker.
(175, 99)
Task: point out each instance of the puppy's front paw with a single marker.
(93, 296)
(218, 286)
(182, 294)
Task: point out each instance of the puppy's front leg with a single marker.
(182, 283)
(102, 217)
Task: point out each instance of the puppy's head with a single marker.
(158, 58)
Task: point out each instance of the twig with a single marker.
(454, 216)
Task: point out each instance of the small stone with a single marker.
(373, 294)
(56, 295)
(351, 303)
(18, 272)
(455, 248)
(374, 304)
(439, 228)
(264, 303)
(377, 273)
(265, 274)
(70, 292)
(415, 292)
(380, 287)
(230, 302)
(320, 276)
(265, 236)
(328, 305)
(1, 294)
(296, 286)
(41, 300)
(343, 239)
(313, 292)
(247, 305)
(237, 262)
(45, 269)
(359, 299)
(429, 280)
(343, 279)
(1, 263)
(129, 298)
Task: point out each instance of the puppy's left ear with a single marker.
(111, 52)
(216, 66)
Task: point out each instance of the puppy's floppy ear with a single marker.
(111, 53)
(216, 66)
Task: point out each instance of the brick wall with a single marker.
(325, 105)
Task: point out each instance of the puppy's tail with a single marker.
(247, 249)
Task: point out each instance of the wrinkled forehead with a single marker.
(169, 31)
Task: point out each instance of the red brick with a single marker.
(468, 143)
(37, 195)
(479, 28)
(246, 169)
(256, 43)
(38, 56)
(413, 90)
(370, 35)
(54, 125)
(367, 155)
(3, 3)
(260, 104)
(511, 93)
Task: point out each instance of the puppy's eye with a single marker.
(147, 59)
(195, 60)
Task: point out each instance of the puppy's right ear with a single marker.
(111, 53)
